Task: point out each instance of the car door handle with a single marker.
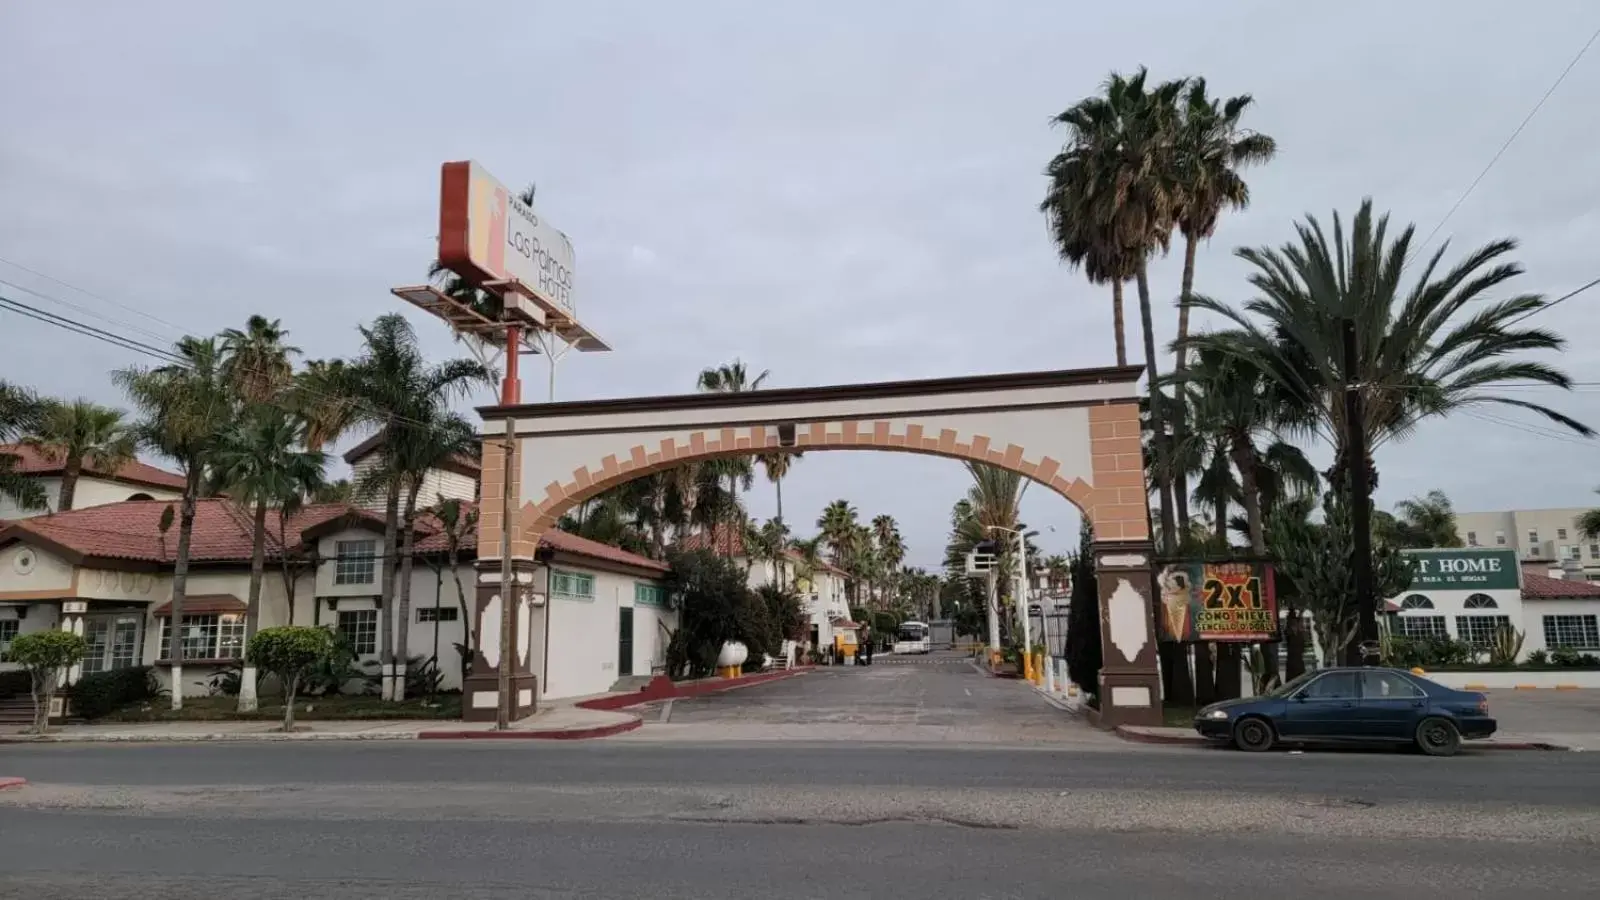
(1417, 704)
(1347, 704)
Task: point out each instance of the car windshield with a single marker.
(1289, 687)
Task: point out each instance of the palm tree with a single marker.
(262, 461)
(19, 416)
(81, 433)
(1419, 523)
(1114, 198)
(256, 361)
(1437, 347)
(323, 396)
(891, 549)
(1211, 148)
(732, 378)
(419, 446)
(393, 387)
(456, 521)
(186, 406)
(777, 465)
(836, 527)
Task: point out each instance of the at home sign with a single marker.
(1464, 569)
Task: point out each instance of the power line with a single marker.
(1509, 141)
(1564, 297)
(179, 329)
(115, 340)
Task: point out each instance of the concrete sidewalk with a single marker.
(1504, 741)
(553, 722)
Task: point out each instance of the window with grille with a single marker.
(360, 628)
(649, 594)
(356, 562)
(1423, 628)
(429, 614)
(1533, 538)
(1416, 601)
(1479, 630)
(8, 633)
(1480, 601)
(1472, 539)
(1574, 632)
(207, 637)
(1594, 551)
(1500, 538)
(571, 585)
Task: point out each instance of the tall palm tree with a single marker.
(394, 388)
(185, 408)
(1419, 523)
(262, 460)
(1114, 195)
(81, 433)
(891, 550)
(1440, 346)
(323, 396)
(836, 527)
(777, 465)
(1210, 150)
(457, 520)
(256, 361)
(732, 378)
(19, 416)
(420, 445)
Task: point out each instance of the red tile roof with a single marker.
(130, 531)
(1543, 587)
(33, 462)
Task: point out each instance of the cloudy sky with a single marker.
(837, 192)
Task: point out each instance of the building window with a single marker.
(649, 594)
(360, 628)
(1500, 538)
(207, 637)
(1533, 537)
(571, 586)
(356, 562)
(1479, 630)
(1572, 632)
(1423, 628)
(1574, 552)
(1594, 551)
(430, 614)
(8, 633)
(1472, 539)
(1480, 601)
(1561, 534)
(1416, 601)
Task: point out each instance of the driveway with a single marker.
(1569, 718)
(937, 698)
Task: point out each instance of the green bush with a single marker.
(103, 693)
(290, 652)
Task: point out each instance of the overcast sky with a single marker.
(837, 192)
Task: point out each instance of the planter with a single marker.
(731, 660)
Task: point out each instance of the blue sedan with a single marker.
(1352, 706)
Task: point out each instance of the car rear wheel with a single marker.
(1253, 735)
(1438, 737)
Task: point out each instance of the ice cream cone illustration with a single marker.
(1175, 594)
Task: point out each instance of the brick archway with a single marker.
(1075, 432)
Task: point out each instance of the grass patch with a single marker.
(1177, 716)
(308, 709)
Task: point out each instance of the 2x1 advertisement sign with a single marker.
(1217, 601)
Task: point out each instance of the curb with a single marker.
(7, 784)
(1137, 737)
(197, 738)
(571, 734)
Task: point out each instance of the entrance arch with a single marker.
(1076, 432)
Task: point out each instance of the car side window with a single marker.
(1332, 686)
(1387, 686)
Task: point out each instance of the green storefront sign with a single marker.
(1463, 570)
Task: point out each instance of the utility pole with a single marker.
(1355, 460)
(1021, 593)
(510, 394)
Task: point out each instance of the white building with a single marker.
(133, 480)
(820, 584)
(106, 572)
(1467, 594)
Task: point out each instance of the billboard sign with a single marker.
(1463, 570)
(487, 234)
(1217, 601)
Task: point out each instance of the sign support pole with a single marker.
(510, 395)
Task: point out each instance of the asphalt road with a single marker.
(795, 819)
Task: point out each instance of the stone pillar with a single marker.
(1130, 679)
(481, 693)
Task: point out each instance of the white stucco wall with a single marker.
(583, 644)
(27, 569)
(1534, 611)
(91, 491)
(52, 499)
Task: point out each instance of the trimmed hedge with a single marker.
(102, 693)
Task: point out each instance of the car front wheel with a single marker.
(1438, 737)
(1253, 735)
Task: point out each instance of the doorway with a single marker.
(115, 642)
(624, 641)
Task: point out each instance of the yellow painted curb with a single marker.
(1476, 687)
(1567, 687)
(1527, 687)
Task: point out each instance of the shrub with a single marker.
(715, 605)
(106, 692)
(44, 655)
(1565, 657)
(290, 652)
(1538, 659)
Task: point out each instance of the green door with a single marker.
(625, 641)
